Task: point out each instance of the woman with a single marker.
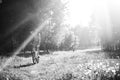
(35, 50)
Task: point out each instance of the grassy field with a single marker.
(64, 65)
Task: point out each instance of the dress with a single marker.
(35, 50)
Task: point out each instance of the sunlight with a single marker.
(23, 45)
(79, 12)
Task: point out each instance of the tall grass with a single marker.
(63, 66)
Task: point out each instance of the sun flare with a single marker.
(79, 12)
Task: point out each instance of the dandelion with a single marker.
(82, 78)
(108, 70)
(103, 66)
(114, 72)
(101, 63)
(98, 66)
(88, 72)
(117, 64)
(96, 72)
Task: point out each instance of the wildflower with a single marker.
(103, 66)
(117, 64)
(88, 72)
(114, 72)
(100, 63)
(96, 72)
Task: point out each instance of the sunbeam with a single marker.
(103, 20)
(17, 25)
(23, 45)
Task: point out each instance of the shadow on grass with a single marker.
(25, 65)
(29, 54)
(26, 54)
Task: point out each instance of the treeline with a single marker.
(55, 35)
(54, 38)
(112, 43)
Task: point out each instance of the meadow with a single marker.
(64, 65)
